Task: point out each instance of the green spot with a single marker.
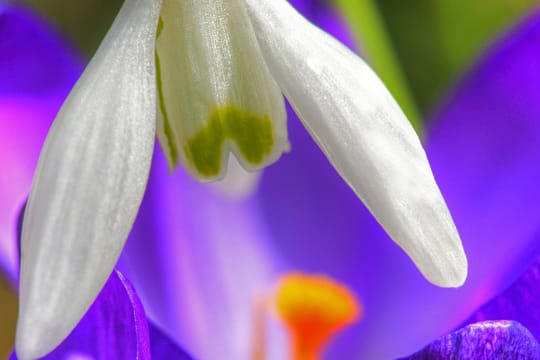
(252, 133)
(159, 27)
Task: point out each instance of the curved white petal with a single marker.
(216, 94)
(364, 134)
(89, 183)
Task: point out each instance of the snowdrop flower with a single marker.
(215, 76)
(484, 146)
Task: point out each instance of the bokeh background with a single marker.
(433, 40)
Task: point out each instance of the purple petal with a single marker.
(324, 15)
(520, 302)
(164, 348)
(485, 151)
(487, 341)
(484, 147)
(198, 260)
(35, 57)
(115, 326)
(37, 70)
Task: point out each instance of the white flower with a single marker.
(221, 66)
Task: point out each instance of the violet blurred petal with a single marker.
(115, 326)
(485, 151)
(162, 347)
(37, 69)
(498, 340)
(35, 59)
(520, 302)
(325, 15)
(198, 259)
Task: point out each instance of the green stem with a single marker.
(369, 30)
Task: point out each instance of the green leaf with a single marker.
(370, 32)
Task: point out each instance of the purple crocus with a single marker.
(37, 70)
(484, 143)
(216, 71)
(486, 336)
(198, 260)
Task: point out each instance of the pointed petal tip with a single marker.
(454, 278)
(30, 342)
(433, 243)
(461, 271)
(114, 327)
(40, 330)
(365, 135)
(451, 271)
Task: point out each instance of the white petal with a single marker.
(89, 183)
(216, 94)
(364, 134)
(238, 183)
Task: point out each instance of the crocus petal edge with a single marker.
(485, 340)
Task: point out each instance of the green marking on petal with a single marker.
(167, 129)
(159, 27)
(252, 133)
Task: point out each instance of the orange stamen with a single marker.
(258, 342)
(314, 308)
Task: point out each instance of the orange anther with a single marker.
(314, 308)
